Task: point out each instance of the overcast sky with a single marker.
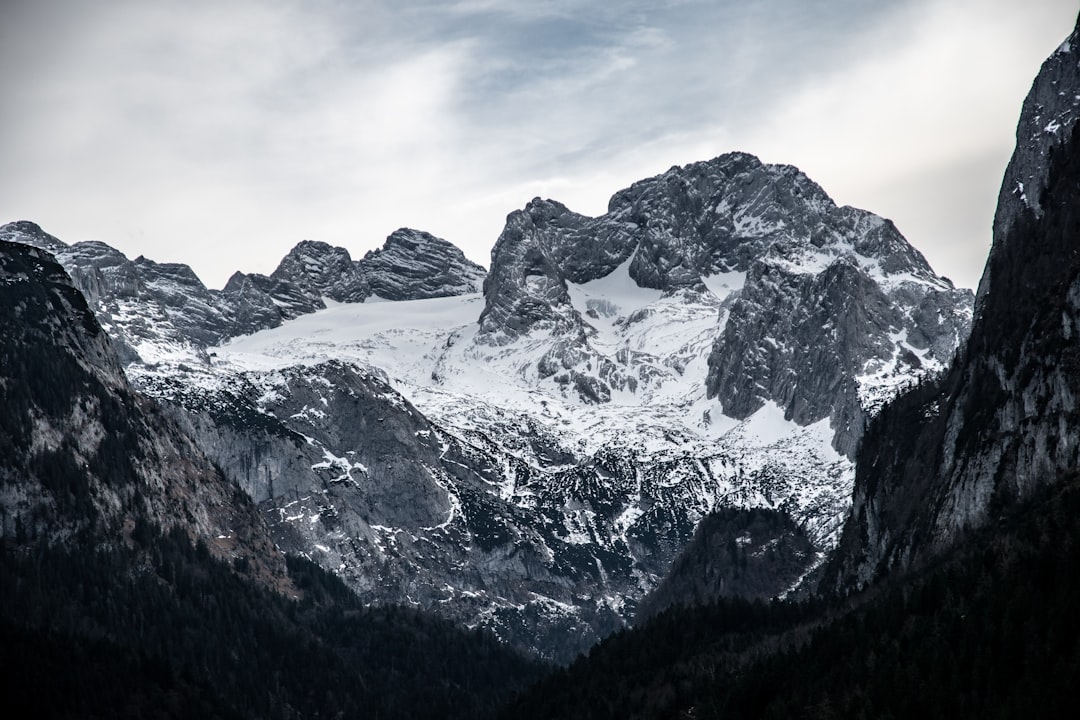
(222, 133)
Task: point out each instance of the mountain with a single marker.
(953, 455)
(410, 265)
(162, 311)
(953, 591)
(823, 308)
(532, 459)
(137, 579)
(413, 265)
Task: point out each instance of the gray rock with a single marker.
(81, 449)
(143, 302)
(322, 270)
(413, 265)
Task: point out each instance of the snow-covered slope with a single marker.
(430, 353)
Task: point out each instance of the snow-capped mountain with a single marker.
(410, 265)
(533, 458)
(818, 309)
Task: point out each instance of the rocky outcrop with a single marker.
(152, 308)
(29, 233)
(149, 309)
(952, 455)
(805, 340)
(322, 270)
(526, 288)
(413, 265)
(310, 272)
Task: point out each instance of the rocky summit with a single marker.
(824, 307)
(413, 265)
(529, 450)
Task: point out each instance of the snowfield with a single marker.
(429, 352)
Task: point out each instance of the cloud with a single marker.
(220, 134)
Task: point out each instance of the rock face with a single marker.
(832, 300)
(413, 265)
(310, 272)
(151, 310)
(80, 449)
(349, 473)
(1003, 422)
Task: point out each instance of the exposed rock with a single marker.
(552, 460)
(829, 294)
(28, 233)
(152, 308)
(413, 265)
(323, 271)
(250, 306)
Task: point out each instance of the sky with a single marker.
(220, 134)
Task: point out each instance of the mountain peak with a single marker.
(320, 270)
(794, 251)
(30, 233)
(413, 265)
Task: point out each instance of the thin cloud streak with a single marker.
(222, 134)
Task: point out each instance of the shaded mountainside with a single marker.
(1003, 422)
(755, 554)
(163, 629)
(82, 452)
(136, 578)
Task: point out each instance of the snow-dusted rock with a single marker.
(826, 309)
(153, 311)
